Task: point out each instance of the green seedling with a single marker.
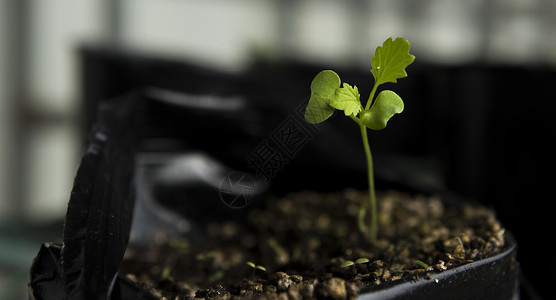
(328, 93)
(215, 277)
(348, 263)
(281, 254)
(181, 245)
(421, 264)
(255, 267)
(165, 273)
(206, 255)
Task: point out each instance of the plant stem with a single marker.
(371, 96)
(373, 223)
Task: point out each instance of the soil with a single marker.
(302, 242)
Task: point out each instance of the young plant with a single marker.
(255, 267)
(328, 94)
(421, 264)
(348, 263)
(252, 265)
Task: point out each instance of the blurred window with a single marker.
(40, 143)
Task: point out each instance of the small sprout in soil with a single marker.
(421, 264)
(261, 268)
(362, 260)
(281, 254)
(273, 243)
(391, 248)
(255, 267)
(347, 263)
(215, 277)
(165, 273)
(180, 244)
(328, 94)
(459, 252)
(351, 263)
(205, 255)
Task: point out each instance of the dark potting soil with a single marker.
(301, 242)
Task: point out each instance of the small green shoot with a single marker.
(215, 277)
(348, 263)
(255, 267)
(281, 254)
(206, 255)
(459, 252)
(180, 244)
(421, 264)
(261, 268)
(165, 273)
(362, 260)
(328, 93)
(391, 248)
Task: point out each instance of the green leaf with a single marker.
(261, 268)
(390, 60)
(252, 265)
(347, 264)
(386, 105)
(421, 264)
(165, 273)
(215, 277)
(347, 99)
(323, 90)
(362, 260)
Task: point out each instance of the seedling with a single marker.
(180, 244)
(215, 277)
(281, 254)
(328, 94)
(165, 273)
(206, 255)
(348, 263)
(255, 267)
(421, 264)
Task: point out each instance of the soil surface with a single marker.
(299, 246)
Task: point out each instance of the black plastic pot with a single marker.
(495, 277)
(144, 145)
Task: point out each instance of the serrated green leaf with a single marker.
(386, 105)
(347, 99)
(323, 90)
(390, 60)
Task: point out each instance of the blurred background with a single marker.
(509, 44)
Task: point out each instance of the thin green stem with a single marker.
(373, 226)
(356, 120)
(371, 96)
